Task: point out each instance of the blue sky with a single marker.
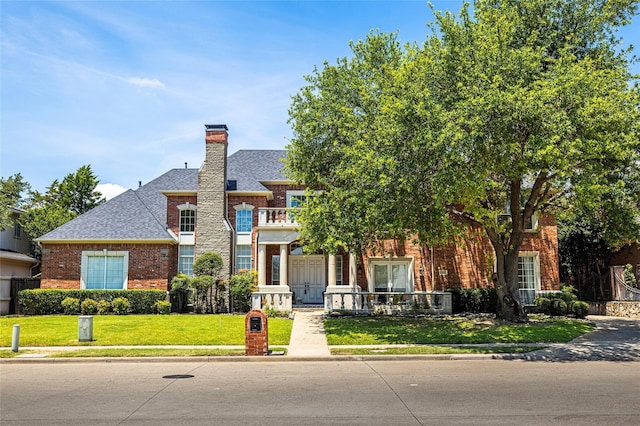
(127, 86)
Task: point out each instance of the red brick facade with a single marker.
(151, 266)
(173, 213)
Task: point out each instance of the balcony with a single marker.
(277, 218)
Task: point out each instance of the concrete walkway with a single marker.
(308, 339)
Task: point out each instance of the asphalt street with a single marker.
(306, 392)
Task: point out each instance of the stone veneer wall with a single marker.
(623, 309)
(212, 235)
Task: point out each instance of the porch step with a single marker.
(308, 307)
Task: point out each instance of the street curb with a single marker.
(270, 358)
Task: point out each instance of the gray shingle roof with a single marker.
(250, 167)
(132, 215)
(141, 214)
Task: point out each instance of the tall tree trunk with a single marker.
(509, 307)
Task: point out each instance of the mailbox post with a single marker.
(256, 333)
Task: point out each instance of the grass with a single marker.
(449, 330)
(436, 350)
(115, 330)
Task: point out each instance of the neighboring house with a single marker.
(627, 255)
(15, 261)
(243, 207)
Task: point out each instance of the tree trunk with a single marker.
(509, 307)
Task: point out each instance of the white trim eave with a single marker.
(267, 194)
(277, 182)
(174, 192)
(71, 241)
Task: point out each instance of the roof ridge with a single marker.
(163, 226)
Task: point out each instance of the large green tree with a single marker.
(509, 111)
(61, 202)
(12, 190)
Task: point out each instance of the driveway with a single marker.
(614, 339)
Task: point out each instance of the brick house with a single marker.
(243, 207)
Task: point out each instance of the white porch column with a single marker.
(284, 270)
(331, 270)
(353, 270)
(262, 264)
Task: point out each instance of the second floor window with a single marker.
(187, 220)
(244, 219)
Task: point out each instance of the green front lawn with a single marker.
(116, 330)
(452, 330)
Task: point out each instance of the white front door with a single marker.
(307, 278)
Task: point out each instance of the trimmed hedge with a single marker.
(474, 300)
(49, 301)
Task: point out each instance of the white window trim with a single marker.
(235, 266)
(187, 237)
(409, 261)
(193, 256)
(85, 259)
(291, 194)
(244, 207)
(536, 268)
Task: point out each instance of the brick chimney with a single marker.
(213, 232)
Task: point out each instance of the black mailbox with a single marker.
(255, 324)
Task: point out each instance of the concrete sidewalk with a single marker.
(308, 339)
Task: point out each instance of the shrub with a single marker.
(103, 307)
(70, 306)
(542, 304)
(49, 301)
(474, 300)
(208, 264)
(120, 305)
(567, 293)
(207, 291)
(558, 307)
(163, 307)
(274, 313)
(179, 294)
(580, 309)
(240, 288)
(89, 307)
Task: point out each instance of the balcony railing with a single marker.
(277, 217)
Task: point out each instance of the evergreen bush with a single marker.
(103, 307)
(473, 300)
(70, 306)
(120, 306)
(580, 309)
(49, 301)
(89, 307)
(240, 288)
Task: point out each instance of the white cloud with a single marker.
(146, 82)
(110, 190)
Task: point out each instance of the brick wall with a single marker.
(151, 266)
(173, 214)
(469, 262)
